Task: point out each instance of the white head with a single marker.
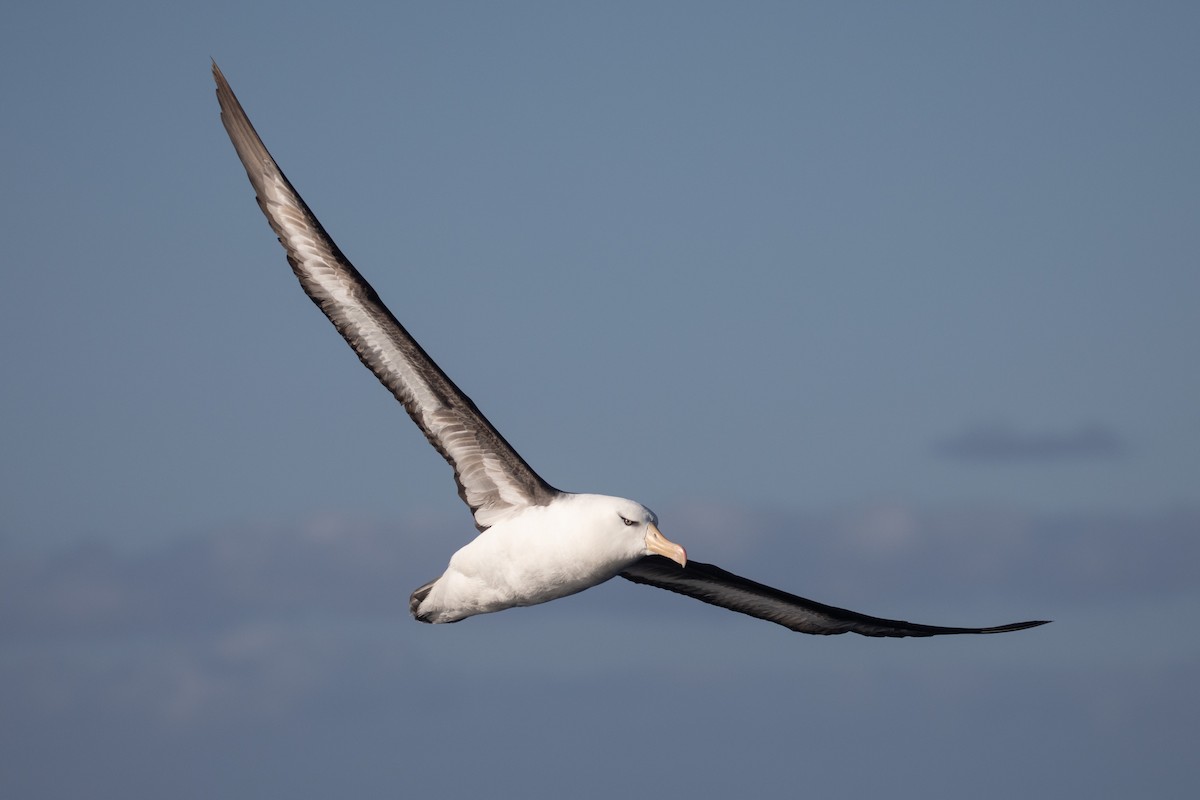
(634, 526)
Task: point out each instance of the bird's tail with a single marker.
(418, 597)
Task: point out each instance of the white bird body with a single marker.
(541, 554)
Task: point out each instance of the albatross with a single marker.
(535, 543)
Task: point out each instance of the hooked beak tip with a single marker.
(661, 545)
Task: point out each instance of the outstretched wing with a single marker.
(720, 588)
(493, 480)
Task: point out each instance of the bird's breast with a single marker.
(520, 565)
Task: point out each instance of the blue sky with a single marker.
(892, 306)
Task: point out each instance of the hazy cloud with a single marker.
(364, 570)
(293, 644)
(1000, 441)
(210, 582)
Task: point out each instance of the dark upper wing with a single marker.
(720, 588)
(492, 478)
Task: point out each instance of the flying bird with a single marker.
(535, 543)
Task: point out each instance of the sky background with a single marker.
(889, 305)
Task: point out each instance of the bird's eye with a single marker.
(627, 522)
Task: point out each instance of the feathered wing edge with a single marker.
(718, 587)
(493, 479)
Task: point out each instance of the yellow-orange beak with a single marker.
(657, 543)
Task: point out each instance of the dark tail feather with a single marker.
(418, 597)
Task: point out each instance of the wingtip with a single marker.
(1018, 626)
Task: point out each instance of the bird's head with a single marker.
(638, 525)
